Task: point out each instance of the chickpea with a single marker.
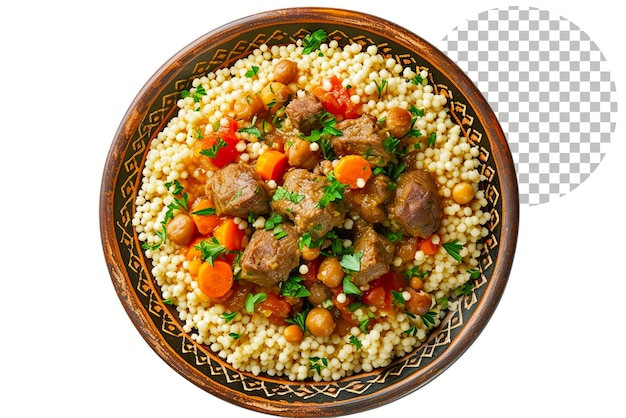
(248, 106)
(181, 229)
(319, 293)
(299, 154)
(310, 254)
(416, 283)
(462, 193)
(330, 272)
(320, 322)
(293, 334)
(275, 95)
(419, 303)
(285, 71)
(398, 122)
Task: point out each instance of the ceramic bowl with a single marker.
(155, 104)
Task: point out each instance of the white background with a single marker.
(69, 71)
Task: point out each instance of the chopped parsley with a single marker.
(273, 221)
(454, 249)
(464, 289)
(398, 299)
(212, 152)
(204, 212)
(333, 192)
(299, 319)
(279, 232)
(352, 262)
(254, 299)
(328, 122)
(318, 364)
(432, 140)
(381, 88)
(210, 249)
(228, 316)
(390, 143)
(252, 71)
(282, 193)
(355, 342)
(349, 288)
(429, 318)
(293, 288)
(196, 95)
(313, 41)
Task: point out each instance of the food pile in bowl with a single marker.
(313, 210)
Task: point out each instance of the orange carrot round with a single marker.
(271, 165)
(229, 235)
(215, 280)
(205, 219)
(192, 251)
(353, 170)
(428, 247)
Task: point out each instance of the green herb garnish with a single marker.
(210, 249)
(355, 342)
(313, 41)
(351, 262)
(349, 288)
(318, 364)
(334, 192)
(454, 249)
(254, 299)
(293, 288)
(228, 316)
(282, 193)
(196, 95)
(212, 152)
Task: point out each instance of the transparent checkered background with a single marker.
(550, 87)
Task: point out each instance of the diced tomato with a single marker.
(337, 100)
(222, 145)
(313, 268)
(237, 299)
(275, 308)
(379, 293)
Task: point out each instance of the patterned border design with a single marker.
(198, 356)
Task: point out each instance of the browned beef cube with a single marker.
(361, 137)
(415, 204)
(268, 260)
(303, 192)
(369, 201)
(238, 191)
(304, 113)
(377, 255)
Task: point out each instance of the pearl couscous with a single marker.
(347, 284)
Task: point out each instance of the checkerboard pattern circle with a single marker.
(550, 87)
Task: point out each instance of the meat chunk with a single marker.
(368, 202)
(301, 195)
(267, 260)
(304, 113)
(377, 255)
(415, 204)
(238, 191)
(361, 136)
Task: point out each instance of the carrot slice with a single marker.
(353, 170)
(229, 235)
(192, 251)
(428, 247)
(271, 165)
(215, 280)
(205, 219)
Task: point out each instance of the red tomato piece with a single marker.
(337, 100)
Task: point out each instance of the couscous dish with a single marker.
(312, 211)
